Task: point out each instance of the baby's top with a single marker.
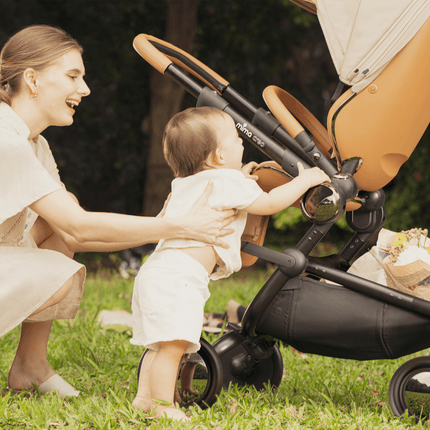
(27, 173)
(231, 190)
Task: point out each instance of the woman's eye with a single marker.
(73, 77)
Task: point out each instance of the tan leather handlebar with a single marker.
(160, 61)
(150, 53)
(276, 99)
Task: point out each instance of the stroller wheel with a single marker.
(409, 389)
(249, 363)
(199, 378)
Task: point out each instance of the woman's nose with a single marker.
(84, 89)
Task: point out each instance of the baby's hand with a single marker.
(313, 176)
(247, 170)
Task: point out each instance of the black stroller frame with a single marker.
(335, 318)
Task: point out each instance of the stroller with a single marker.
(372, 129)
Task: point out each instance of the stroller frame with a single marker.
(248, 354)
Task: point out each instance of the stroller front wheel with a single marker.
(409, 389)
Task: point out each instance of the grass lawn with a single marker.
(316, 392)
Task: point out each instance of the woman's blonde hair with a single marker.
(37, 47)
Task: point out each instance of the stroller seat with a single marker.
(384, 122)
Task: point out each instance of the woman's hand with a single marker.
(205, 224)
(247, 170)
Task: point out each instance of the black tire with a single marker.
(207, 379)
(240, 368)
(402, 382)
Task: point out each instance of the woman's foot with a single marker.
(22, 375)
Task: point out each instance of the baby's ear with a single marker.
(217, 157)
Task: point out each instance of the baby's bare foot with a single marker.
(190, 391)
(142, 404)
(172, 413)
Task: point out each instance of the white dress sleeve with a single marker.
(23, 178)
(44, 155)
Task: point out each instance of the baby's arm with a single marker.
(285, 195)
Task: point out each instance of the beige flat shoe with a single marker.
(57, 384)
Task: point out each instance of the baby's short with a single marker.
(169, 296)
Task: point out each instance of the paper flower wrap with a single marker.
(407, 261)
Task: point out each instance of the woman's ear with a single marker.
(29, 77)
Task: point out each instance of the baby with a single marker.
(200, 145)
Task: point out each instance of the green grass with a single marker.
(316, 392)
(419, 403)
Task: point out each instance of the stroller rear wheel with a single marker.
(200, 376)
(255, 362)
(409, 389)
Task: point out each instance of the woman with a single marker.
(41, 224)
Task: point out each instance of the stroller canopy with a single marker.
(363, 36)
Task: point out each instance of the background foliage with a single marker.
(251, 43)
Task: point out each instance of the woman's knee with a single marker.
(58, 296)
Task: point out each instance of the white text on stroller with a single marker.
(242, 128)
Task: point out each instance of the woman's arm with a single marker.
(285, 195)
(96, 231)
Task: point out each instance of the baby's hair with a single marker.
(190, 137)
(37, 47)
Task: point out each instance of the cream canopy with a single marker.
(363, 36)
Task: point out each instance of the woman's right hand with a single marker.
(206, 224)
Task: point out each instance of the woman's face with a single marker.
(60, 89)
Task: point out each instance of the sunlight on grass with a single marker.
(316, 392)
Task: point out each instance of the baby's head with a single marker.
(201, 138)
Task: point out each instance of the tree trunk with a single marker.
(166, 100)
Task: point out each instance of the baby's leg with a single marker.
(143, 399)
(187, 376)
(163, 378)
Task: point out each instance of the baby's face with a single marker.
(230, 144)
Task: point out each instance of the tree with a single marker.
(166, 100)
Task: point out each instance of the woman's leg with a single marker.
(30, 364)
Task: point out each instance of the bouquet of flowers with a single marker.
(407, 261)
(409, 246)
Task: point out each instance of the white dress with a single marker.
(29, 276)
